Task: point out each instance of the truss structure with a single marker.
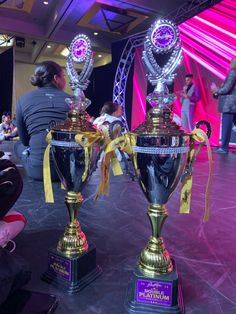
(123, 69)
(189, 9)
(183, 13)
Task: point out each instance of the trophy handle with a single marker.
(115, 129)
(207, 125)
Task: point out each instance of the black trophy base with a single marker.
(161, 294)
(72, 274)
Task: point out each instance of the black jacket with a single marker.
(34, 111)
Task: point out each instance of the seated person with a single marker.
(34, 112)
(110, 113)
(7, 128)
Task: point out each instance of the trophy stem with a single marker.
(73, 242)
(155, 259)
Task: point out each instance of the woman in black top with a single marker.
(34, 111)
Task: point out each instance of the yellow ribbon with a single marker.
(47, 182)
(185, 197)
(86, 140)
(124, 143)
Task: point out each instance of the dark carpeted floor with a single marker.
(204, 252)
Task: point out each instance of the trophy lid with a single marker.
(77, 121)
(162, 38)
(159, 122)
(77, 118)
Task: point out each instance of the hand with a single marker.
(213, 88)
(182, 94)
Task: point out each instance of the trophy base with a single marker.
(72, 274)
(161, 294)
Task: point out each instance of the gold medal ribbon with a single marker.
(200, 136)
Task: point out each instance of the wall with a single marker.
(23, 73)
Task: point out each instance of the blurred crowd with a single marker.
(8, 129)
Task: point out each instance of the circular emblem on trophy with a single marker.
(79, 48)
(163, 36)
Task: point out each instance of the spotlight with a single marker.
(20, 42)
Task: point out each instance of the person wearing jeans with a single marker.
(227, 106)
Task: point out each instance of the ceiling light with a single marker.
(49, 46)
(99, 56)
(65, 52)
(95, 33)
(6, 41)
(45, 2)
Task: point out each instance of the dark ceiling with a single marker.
(44, 30)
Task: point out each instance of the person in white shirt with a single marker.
(110, 113)
(189, 97)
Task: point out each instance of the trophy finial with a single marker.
(80, 52)
(162, 38)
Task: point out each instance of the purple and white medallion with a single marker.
(79, 49)
(163, 37)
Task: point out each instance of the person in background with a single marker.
(34, 112)
(110, 112)
(7, 128)
(188, 97)
(226, 105)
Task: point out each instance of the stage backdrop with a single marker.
(209, 43)
(6, 80)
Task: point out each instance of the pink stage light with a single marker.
(223, 31)
(139, 91)
(204, 64)
(210, 37)
(208, 41)
(140, 96)
(200, 49)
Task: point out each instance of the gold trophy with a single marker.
(159, 160)
(75, 148)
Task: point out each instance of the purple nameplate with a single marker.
(154, 292)
(60, 266)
